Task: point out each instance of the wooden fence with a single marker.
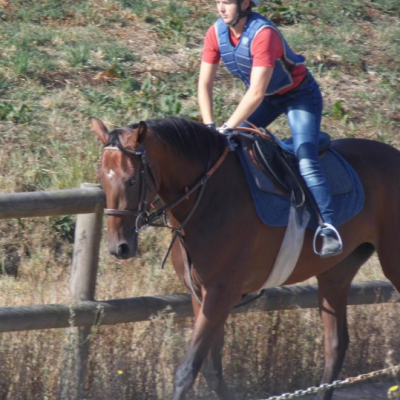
(84, 311)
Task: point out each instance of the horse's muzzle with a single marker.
(124, 251)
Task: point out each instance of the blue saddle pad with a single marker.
(346, 188)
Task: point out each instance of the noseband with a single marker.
(142, 212)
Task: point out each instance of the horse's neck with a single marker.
(177, 178)
(223, 189)
(175, 174)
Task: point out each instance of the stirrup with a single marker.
(318, 231)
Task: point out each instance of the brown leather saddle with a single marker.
(276, 159)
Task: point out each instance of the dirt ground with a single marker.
(365, 391)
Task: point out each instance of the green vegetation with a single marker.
(64, 61)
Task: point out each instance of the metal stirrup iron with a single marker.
(318, 231)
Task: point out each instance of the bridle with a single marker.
(143, 216)
(142, 212)
(145, 219)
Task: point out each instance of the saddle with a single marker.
(277, 159)
(275, 182)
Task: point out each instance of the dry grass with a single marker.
(265, 353)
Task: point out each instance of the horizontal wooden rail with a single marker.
(91, 199)
(112, 312)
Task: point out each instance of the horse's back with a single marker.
(378, 166)
(365, 155)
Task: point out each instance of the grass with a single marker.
(122, 61)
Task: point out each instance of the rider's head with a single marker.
(242, 9)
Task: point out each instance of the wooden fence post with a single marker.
(82, 286)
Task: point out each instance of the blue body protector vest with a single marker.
(238, 60)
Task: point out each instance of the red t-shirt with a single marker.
(265, 49)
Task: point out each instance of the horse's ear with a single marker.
(141, 131)
(99, 129)
(138, 136)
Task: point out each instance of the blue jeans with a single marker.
(303, 109)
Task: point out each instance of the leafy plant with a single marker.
(170, 104)
(4, 82)
(279, 13)
(40, 10)
(20, 62)
(389, 6)
(18, 114)
(65, 226)
(78, 55)
(339, 112)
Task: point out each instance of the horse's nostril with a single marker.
(123, 250)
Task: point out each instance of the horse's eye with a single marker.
(132, 181)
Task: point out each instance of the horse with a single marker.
(224, 251)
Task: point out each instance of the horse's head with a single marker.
(123, 177)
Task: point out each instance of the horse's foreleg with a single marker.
(333, 288)
(218, 300)
(212, 368)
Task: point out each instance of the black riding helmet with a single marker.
(241, 14)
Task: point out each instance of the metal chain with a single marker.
(335, 384)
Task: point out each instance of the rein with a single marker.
(201, 182)
(145, 219)
(142, 214)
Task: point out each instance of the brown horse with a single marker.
(231, 251)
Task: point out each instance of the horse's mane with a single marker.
(187, 138)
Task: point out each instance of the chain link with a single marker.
(335, 384)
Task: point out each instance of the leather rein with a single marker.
(144, 218)
(142, 213)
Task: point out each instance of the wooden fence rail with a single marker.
(89, 199)
(83, 311)
(111, 312)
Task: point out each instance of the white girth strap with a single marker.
(290, 248)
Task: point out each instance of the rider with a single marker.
(277, 82)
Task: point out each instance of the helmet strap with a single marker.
(240, 14)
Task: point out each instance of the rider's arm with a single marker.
(259, 80)
(266, 47)
(205, 90)
(208, 69)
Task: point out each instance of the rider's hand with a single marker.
(211, 126)
(227, 132)
(225, 129)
